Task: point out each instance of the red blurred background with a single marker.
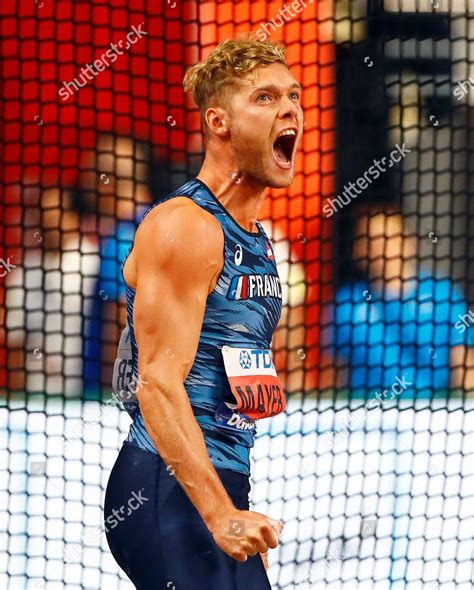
(47, 140)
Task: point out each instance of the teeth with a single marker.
(287, 132)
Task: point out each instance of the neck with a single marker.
(241, 196)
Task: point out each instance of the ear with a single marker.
(217, 120)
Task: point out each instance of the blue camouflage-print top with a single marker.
(242, 311)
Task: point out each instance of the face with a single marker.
(123, 164)
(381, 246)
(266, 123)
(117, 183)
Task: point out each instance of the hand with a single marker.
(264, 557)
(242, 533)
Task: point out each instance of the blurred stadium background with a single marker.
(371, 466)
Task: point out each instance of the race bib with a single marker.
(124, 385)
(254, 382)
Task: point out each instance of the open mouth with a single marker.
(283, 148)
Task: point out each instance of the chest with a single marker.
(248, 295)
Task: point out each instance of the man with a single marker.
(48, 296)
(203, 301)
(114, 192)
(400, 329)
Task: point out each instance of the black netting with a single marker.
(370, 467)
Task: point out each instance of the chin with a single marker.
(281, 180)
(268, 177)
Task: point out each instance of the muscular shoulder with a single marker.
(181, 234)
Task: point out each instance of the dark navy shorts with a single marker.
(159, 539)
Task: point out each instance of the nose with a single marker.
(289, 108)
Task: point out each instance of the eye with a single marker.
(263, 96)
(295, 95)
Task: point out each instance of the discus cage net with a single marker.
(95, 130)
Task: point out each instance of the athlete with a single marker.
(194, 369)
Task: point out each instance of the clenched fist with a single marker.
(243, 533)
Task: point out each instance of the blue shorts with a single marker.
(159, 539)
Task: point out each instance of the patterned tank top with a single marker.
(232, 382)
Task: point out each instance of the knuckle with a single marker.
(262, 527)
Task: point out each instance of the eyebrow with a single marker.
(273, 87)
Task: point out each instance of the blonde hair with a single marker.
(209, 79)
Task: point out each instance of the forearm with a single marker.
(171, 424)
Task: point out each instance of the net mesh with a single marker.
(370, 467)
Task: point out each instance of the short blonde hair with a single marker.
(208, 80)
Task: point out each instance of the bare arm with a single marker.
(177, 258)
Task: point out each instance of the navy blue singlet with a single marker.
(242, 311)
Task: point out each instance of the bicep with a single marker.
(175, 267)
